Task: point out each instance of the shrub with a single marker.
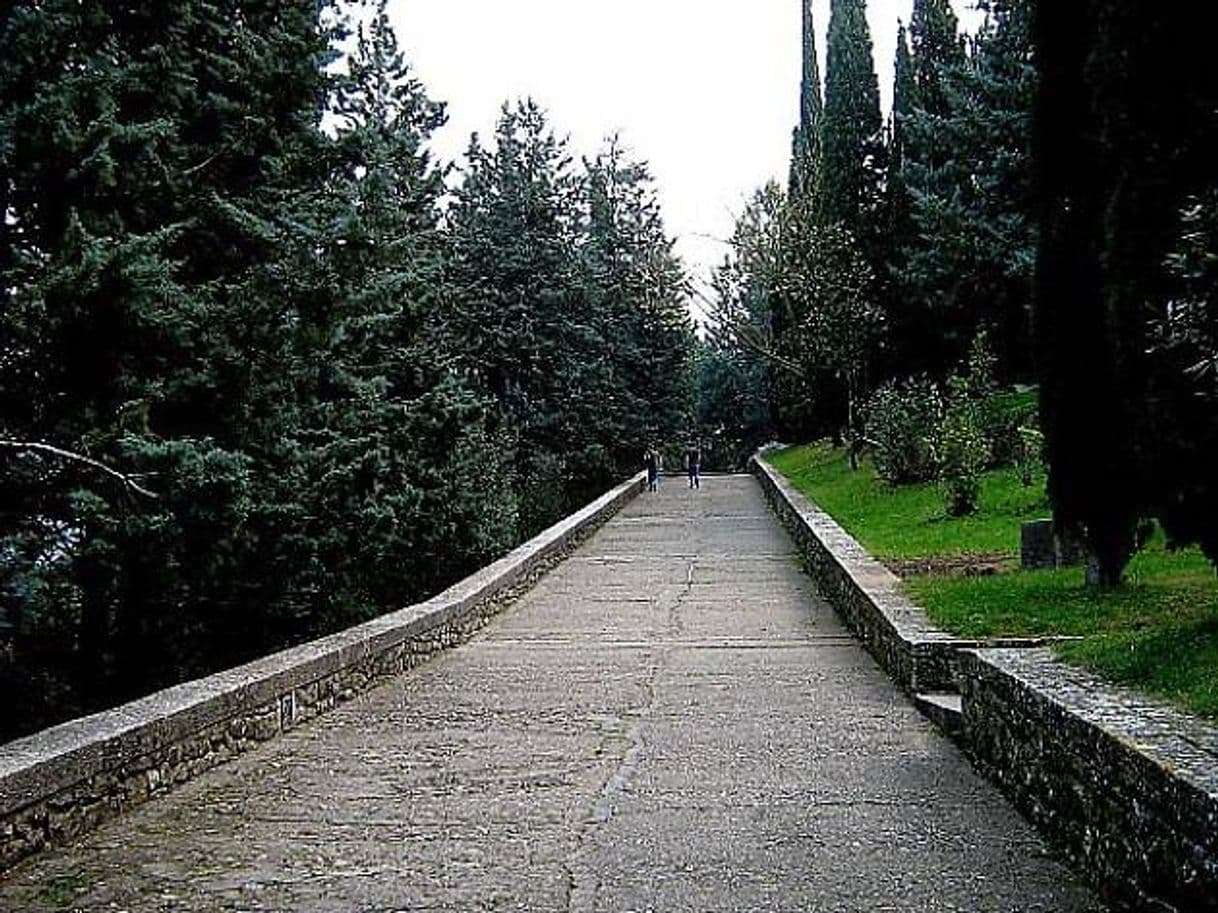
(900, 422)
(961, 449)
(1030, 455)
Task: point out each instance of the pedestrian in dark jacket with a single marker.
(693, 464)
(652, 459)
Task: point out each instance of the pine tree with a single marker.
(638, 288)
(526, 324)
(389, 438)
(142, 143)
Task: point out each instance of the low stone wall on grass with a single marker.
(60, 783)
(1128, 786)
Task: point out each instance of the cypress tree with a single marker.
(1119, 149)
(904, 98)
(805, 147)
(934, 33)
(906, 325)
(852, 128)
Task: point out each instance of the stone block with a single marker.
(1037, 546)
(1042, 548)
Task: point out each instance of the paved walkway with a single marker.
(671, 721)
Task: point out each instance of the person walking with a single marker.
(693, 464)
(652, 460)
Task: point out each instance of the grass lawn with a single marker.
(909, 521)
(1159, 633)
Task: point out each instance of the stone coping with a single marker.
(36, 768)
(1178, 745)
(906, 617)
(868, 596)
(1127, 784)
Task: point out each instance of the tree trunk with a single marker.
(1107, 558)
(851, 430)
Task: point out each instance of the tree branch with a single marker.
(739, 334)
(127, 480)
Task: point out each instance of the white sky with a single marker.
(705, 91)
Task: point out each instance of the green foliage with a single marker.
(964, 443)
(806, 143)
(752, 390)
(341, 404)
(908, 521)
(901, 422)
(934, 34)
(1029, 455)
(571, 310)
(961, 449)
(800, 297)
(852, 146)
(832, 292)
(1183, 397)
(1120, 153)
(733, 405)
(1159, 633)
(965, 236)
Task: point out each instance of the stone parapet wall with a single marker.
(60, 783)
(918, 656)
(1128, 786)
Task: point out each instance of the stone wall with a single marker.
(1127, 786)
(60, 783)
(869, 598)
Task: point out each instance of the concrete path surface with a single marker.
(671, 721)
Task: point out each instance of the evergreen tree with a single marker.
(805, 146)
(639, 290)
(923, 340)
(906, 327)
(904, 100)
(573, 310)
(852, 146)
(742, 380)
(967, 262)
(389, 438)
(934, 33)
(1119, 152)
(251, 388)
(143, 143)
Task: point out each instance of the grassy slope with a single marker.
(909, 521)
(1159, 633)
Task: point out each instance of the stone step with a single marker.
(944, 710)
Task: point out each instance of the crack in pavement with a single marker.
(579, 895)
